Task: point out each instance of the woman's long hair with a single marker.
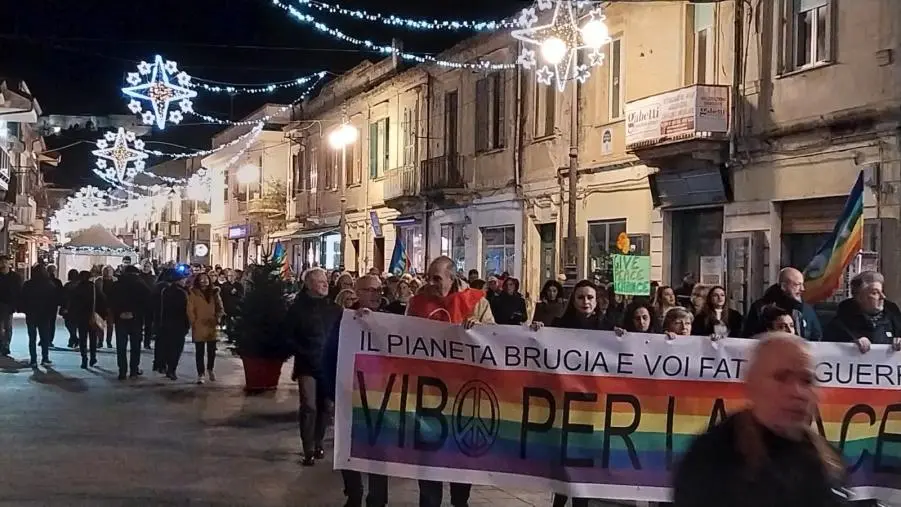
(658, 300)
(210, 289)
(707, 315)
(542, 296)
(571, 313)
(629, 317)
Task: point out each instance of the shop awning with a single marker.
(316, 233)
(291, 232)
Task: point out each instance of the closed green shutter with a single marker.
(373, 150)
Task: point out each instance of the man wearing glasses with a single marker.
(786, 295)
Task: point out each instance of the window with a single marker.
(414, 244)
(332, 165)
(378, 148)
(353, 163)
(601, 244)
(312, 176)
(297, 170)
(450, 123)
(490, 108)
(545, 110)
(498, 250)
(408, 128)
(453, 243)
(225, 189)
(809, 39)
(616, 82)
(703, 43)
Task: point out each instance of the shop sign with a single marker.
(376, 224)
(237, 231)
(694, 111)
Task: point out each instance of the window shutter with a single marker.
(386, 141)
(374, 150)
(500, 91)
(482, 105)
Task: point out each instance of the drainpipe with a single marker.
(572, 242)
(517, 175)
(737, 81)
(418, 172)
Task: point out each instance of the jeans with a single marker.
(313, 414)
(560, 501)
(199, 348)
(353, 489)
(431, 494)
(87, 337)
(6, 333)
(38, 326)
(171, 344)
(128, 334)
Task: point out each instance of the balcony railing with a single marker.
(266, 205)
(693, 112)
(446, 172)
(401, 182)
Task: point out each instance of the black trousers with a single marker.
(431, 494)
(128, 335)
(205, 350)
(313, 415)
(73, 332)
(87, 338)
(560, 501)
(171, 344)
(38, 326)
(148, 330)
(353, 489)
(110, 327)
(51, 326)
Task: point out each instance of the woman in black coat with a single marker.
(716, 316)
(509, 307)
(551, 303)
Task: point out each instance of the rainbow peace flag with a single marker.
(400, 261)
(280, 255)
(823, 274)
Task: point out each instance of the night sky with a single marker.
(74, 57)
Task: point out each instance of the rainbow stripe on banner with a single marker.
(823, 274)
(583, 413)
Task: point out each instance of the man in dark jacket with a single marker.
(867, 318)
(10, 290)
(149, 279)
(786, 295)
(53, 271)
(368, 289)
(128, 299)
(87, 300)
(155, 307)
(232, 292)
(39, 302)
(174, 323)
(310, 321)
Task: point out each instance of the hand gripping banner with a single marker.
(585, 413)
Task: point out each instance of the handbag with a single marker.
(96, 322)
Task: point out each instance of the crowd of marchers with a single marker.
(448, 295)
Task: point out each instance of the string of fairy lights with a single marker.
(560, 39)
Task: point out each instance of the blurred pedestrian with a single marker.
(39, 301)
(10, 292)
(129, 297)
(204, 313)
(174, 323)
(68, 293)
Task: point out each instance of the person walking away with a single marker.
(310, 321)
(867, 318)
(509, 307)
(154, 310)
(715, 317)
(129, 298)
(443, 300)
(173, 321)
(767, 454)
(785, 294)
(10, 290)
(106, 284)
(54, 277)
(368, 287)
(68, 294)
(204, 312)
(149, 278)
(39, 302)
(232, 292)
(87, 305)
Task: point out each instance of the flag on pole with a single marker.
(824, 273)
(280, 256)
(400, 262)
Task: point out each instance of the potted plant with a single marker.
(258, 330)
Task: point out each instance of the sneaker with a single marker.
(93, 362)
(84, 364)
(46, 361)
(212, 376)
(308, 461)
(33, 364)
(171, 376)
(122, 376)
(320, 453)
(200, 379)
(136, 373)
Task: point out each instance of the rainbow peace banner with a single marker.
(583, 413)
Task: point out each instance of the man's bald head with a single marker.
(442, 275)
(792, 283)
(369, 291)
(780, 383)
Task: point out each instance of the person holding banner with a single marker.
(767, 454)
(442, 299)
(867, 318)
(786, 294)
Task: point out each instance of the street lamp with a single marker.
(246, 175)
(339, 139)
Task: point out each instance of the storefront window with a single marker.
(414, 242)
(310, 253)
(601, 244)
(498, 250)
(453, 243)
(697, 246)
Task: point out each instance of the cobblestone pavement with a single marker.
(70, 437)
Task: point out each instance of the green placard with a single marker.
(632, 275)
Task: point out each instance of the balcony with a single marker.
(401, 186)
(267, 205)
(680, 127)
(445, 178)
(306, 206)
(25, 214)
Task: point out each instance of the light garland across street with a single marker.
(409, 23)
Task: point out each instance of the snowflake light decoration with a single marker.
(560, 40)
(126, 161)
(159, 91)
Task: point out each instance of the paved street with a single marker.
(70, 437)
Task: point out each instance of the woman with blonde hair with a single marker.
(346, 299)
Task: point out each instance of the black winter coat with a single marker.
(733, 321)
(308, 327)
(87, 299)
(129, 294)
(231, 294)
(850, 324)
(715, 472)
(807, 324)
(174, 310)
(595, 322)
(508, 309)
(10, 291)
(40, 299)
(156, 299)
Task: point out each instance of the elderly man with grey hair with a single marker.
(866, 318)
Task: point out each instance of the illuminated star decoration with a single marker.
(564, 26)
(126, 161)
(160, 91)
